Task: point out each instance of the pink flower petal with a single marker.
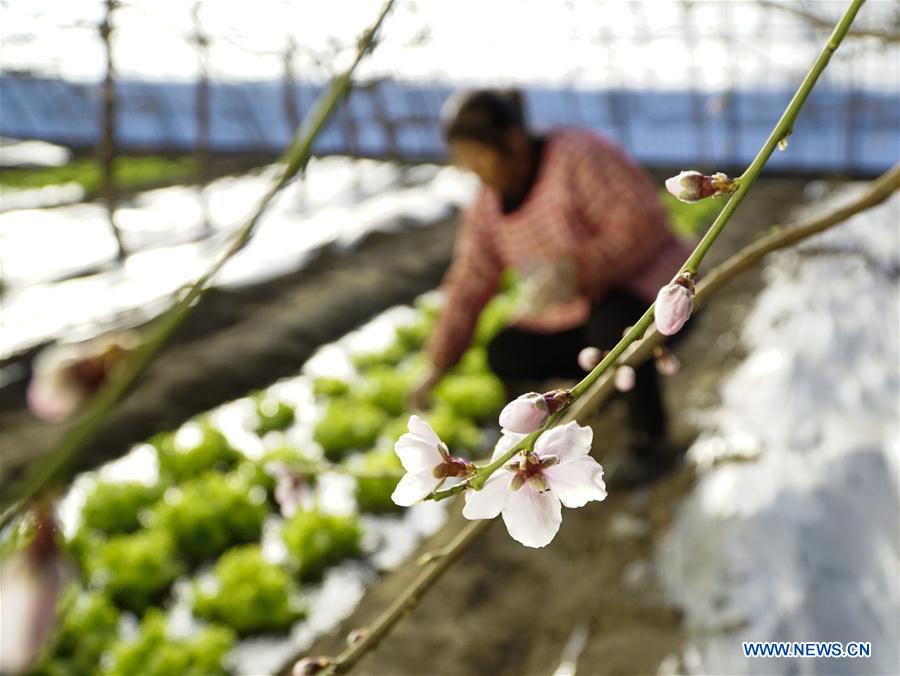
(52, 401)
(532, 518)
(566, 442)
(524, 414)
(414, 487)
(490, 500)
(589, 357)
(577, 482)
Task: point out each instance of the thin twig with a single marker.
(85, 428)
(409, 599)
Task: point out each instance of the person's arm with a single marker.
(472, 280)
(624, 217)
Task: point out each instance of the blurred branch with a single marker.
(295, 159)
(202, 113)
(436, 563)
(106, 142)
(826, 24)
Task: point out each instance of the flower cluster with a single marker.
(530, 489)
(532, 485)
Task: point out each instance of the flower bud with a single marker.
(525, 414)
(692, 186)
(65, 376)
(625, 378)
(674, 303)
(32, 581)
(356, 636)
(589, 357)
(666, 363)
(557, 399)
(310, 665)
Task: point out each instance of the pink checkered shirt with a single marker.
(589, 202)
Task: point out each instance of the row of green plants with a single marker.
(204, 516)
(130, 173)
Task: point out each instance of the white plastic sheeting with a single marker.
(791, 533)
(708, 45)
(338, 201)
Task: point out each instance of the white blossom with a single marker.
(530, 491)
(427, 462)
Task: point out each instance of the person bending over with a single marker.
(583, 226)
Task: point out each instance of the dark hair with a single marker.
(483, 115)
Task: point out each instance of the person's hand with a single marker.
(551, 283)
(420, 395)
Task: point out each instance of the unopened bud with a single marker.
(673, 307)
(625, 378)
(525, 414)
(32, 580)
(589, 357)
(666, 363)
(310, 665)
(356, 636)
(557, 399)
(692, 186)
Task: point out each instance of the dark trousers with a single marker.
(517, 355)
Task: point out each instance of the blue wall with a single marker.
(844, 131)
